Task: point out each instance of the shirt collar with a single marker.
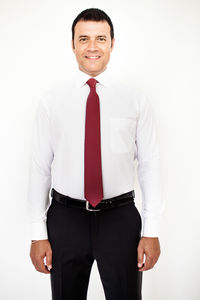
(81, 78)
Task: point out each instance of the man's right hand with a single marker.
(38, 251)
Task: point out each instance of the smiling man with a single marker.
(86, 136)
(92, 45)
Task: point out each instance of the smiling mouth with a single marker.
(92, 57)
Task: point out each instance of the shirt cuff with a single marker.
(39, 231)
(150, 228)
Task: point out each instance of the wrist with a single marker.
(34, 241)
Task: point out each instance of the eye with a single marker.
(82, 39)
(102, 39)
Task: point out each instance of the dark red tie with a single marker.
(92, 160)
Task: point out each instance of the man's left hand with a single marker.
(149, 246)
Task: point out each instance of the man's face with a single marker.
(92, 46)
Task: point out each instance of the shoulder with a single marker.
(129, 89)
(57, 90)
(52, 96)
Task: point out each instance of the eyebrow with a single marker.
(80, 36)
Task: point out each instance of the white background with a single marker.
(158, 48)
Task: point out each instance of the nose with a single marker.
(92, 45)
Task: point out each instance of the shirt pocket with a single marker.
(122, 134)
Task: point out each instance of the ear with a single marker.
(73, 49)
(112, 43)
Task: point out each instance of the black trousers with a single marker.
(78, 237)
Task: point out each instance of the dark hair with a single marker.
(93, 14)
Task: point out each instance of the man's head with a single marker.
(92, 40)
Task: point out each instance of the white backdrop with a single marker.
(158, 48)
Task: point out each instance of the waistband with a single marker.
(108, 203)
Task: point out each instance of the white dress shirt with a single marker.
(127, 133)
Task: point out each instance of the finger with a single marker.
(140, 257)
(149, 263)
(49, 259)
(40, 266)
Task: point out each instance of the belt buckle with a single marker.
(87, 207)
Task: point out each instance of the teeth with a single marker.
(92, 56)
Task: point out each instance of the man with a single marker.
(86, 137)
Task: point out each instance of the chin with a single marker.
(93, 71)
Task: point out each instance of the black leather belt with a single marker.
(67, 201)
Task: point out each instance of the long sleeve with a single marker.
(149, 170)
(40, 172)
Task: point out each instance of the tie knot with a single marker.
(92, 82)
